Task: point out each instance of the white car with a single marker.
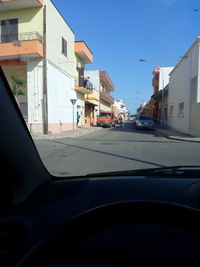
(144, 121)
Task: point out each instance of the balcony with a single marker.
(82, 90)
(83, 52)
(20, 4)
(107, 98)
(79, 86)
(28, 44)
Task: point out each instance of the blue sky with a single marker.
(119, 32)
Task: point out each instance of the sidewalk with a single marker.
(171, 134)
(80, 131)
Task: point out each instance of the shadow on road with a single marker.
(129, 127)
(121, 140)
(109, 154)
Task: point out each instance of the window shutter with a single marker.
(9, 30)
(81, 77)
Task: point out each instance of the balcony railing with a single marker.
(16, 38)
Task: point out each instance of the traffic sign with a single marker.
(73, 101)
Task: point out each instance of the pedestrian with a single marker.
(78, 118)
(86, 81)
(120, 121)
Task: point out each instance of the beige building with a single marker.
(83, 56)
(37, 46)
(99, 98)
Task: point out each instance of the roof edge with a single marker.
(186, 54)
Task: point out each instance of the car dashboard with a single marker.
(111, 221)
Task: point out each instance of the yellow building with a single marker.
(83, 56)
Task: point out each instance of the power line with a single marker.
(127, 60)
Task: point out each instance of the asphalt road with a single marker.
(115, 149)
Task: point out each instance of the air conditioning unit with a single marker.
(78, 65)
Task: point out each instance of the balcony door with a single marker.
(9, 30)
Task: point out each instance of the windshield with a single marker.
(144, 118)
(105, 114)
(69, 62)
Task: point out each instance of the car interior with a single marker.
(116, 219)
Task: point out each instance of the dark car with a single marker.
(144, 122)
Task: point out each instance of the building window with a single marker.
(9, 30)
(171, 110)
(64, 47)
(181, 109)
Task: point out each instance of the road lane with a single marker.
(115, 149)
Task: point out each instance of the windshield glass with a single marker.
(144, 117)
(105, 114)
(67, 62)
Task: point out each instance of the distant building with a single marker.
(120, 108)
(159, 82)
(143, 108)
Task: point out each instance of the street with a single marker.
(115, 149)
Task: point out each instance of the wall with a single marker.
(195, 121)
(104, 105)
(30, 19)
(21, 73)
(164, 76)
(180, 90)
(35, 95)
(76, 74)
(165, 111)
(81, 107)
(60, 91)
(56, 29)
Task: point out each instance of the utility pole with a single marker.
(45, 98)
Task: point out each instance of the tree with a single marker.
(18, 84)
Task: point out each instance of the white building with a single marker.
(184, 93)
(121, 108)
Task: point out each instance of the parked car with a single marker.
(144, 121)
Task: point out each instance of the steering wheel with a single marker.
(123, 233)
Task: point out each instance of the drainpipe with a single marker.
(45, 103)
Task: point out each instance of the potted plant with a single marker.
(18, 84)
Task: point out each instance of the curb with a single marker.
(66, 135)
(176, 138)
